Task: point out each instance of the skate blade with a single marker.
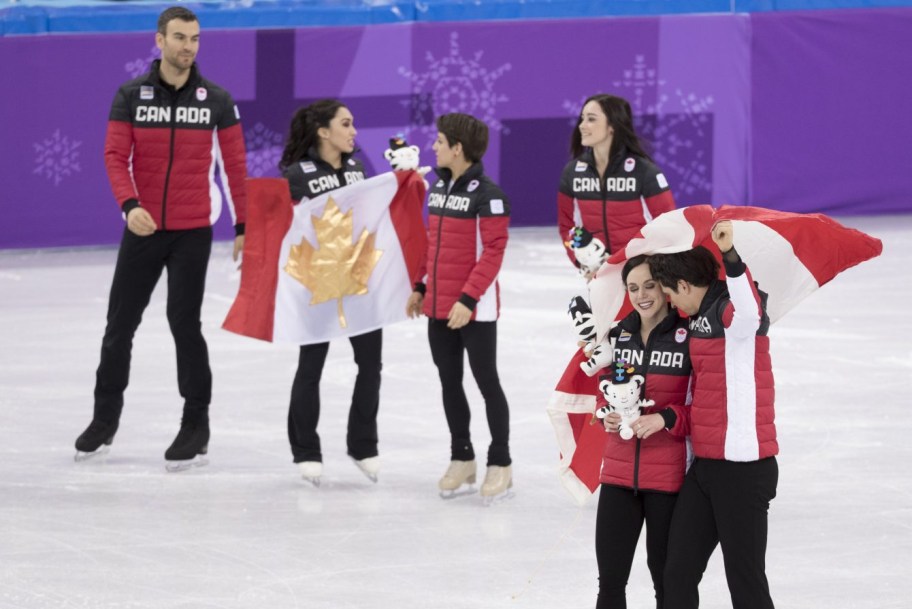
(182, 466)
(459, 492)
(372, 476)
(490, 500)
(101, 452)
(314, 481)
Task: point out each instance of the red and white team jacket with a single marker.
(659, 462)
(733, 414)
(163, 145)
(633, 192)
(467, 234)
(311, 176)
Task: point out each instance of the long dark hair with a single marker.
(617, 109)
(302, 136)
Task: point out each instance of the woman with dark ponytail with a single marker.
(318, 159)
(611, 187)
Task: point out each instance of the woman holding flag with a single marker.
(318, 159)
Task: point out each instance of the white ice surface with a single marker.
(246, 532)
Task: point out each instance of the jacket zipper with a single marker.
(636, 459)
(603, 187)
(170, 160)
(437, 249)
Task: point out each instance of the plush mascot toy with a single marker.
(589, 251)
(581, 316)
(600, 355)
(622, 390)
(401, 156)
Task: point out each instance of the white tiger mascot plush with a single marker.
(589, 251)
(401, 156)
(622, 389)
(601, 354)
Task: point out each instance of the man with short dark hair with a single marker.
(726, 493)
(167, 132)
(468, 220)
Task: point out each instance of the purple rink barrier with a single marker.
(831, 120)
(766, 109)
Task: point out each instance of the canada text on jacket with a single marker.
(184, 114)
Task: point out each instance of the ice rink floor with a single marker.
(246, 532)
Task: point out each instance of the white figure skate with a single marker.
(458, 479)
(497, 484)
(311, 471)
(370, 467)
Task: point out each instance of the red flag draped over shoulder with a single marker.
(280, 300)
(790, 255)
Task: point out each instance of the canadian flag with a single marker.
(334, 266)
(789, 255)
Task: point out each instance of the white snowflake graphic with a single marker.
(683, 140)
(264, 149)
(456, 83)
(639, 78)
(574, 109)
(140, 66)
(57, 158)
(678, 125)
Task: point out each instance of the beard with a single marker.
(179, 62)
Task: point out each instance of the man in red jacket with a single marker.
(468, 220)
(167, 132)
(727, 491)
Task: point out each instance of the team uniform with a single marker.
(308, 178)
(162, 149)
(641, 478)
(468, 230)
(613, 209)
(726, 494)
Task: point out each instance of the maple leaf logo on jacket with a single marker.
(338, 267)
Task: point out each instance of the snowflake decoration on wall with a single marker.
(57, 158)
(138, 67)
(683, 141)
(456, 83)
(639, 78)
(574, 109)
(264, 149)
(680, 136)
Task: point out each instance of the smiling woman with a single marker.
(611, 187)
(640, 477)
(318, 159)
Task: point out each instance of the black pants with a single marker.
(620, 518)
(479, 340)
(140, 262)
(304, 411)
(722, 502)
